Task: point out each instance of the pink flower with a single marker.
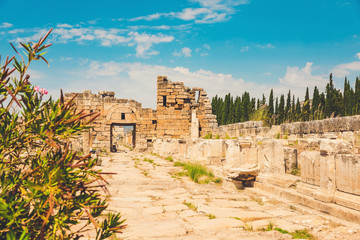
(44, 91)
(41, 90)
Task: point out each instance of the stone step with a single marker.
(342, 212)
(285, 180)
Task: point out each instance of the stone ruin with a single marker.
(316, 163)
(181, 112)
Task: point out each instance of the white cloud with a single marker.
(244, 49)
(36, 76)
(161, 27)
(267, 73)
(106, 37)
(5, 25)
(210, 11)
(296, 77)
(207, 46)
(16, 31)
(148, 17)
(62, 59)
(64, 25)
(358, 55)
(186, 52)
(343, 70)
(269, 45)
(145, 41)
(191, 13)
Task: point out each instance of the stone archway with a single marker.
(121, 116)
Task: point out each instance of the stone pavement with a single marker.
(159, 205)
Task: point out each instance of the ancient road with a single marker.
(159, 205)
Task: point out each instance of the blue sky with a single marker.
(220, 45)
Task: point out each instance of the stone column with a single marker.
(194, 124)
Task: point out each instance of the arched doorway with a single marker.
(122, 136)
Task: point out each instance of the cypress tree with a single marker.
(219, 117)
(315, 102)
(282, 109)
(306, 107)
(288, 108)
(298, 110)
(226, 109)
(329, 100)
(271, 103)
(293, 113)
(237, 109)
(253, 101)
(246, 103)
(357, 96)
(263, 101)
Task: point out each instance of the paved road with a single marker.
(152, 199)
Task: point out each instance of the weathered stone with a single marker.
(310, 167)
(290, 158)
(245, 173)
(348, 173)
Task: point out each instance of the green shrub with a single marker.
(169, 158)
(296, 172)
(45, 187)
(302, 234)
(198, 173)
(190, 205)
(208, 136)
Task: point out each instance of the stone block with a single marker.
(309, 162)
(271, 157)
(290, 159)
(348, 173)
(331, 147)
(233, 154)
(327, 173)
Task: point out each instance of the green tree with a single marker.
(306, 107)
(238, 108)
(281, 109)
(288, 108)
(329, 100)
(45, 187)
(357, 96)
(263, 101)
(293, 112)
(276, 111)
(348, 99)
(226, 109)
(298, 110)
(271, 103)
(315, 102)
(246, 104)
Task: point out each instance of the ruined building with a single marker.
(181, 112)
(315, 163)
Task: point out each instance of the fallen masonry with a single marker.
(316, 163)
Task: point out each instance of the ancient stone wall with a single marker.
(339, 124)
(325, 175)
(113, 111)
(175, 104)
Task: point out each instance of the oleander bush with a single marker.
(47, 191)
